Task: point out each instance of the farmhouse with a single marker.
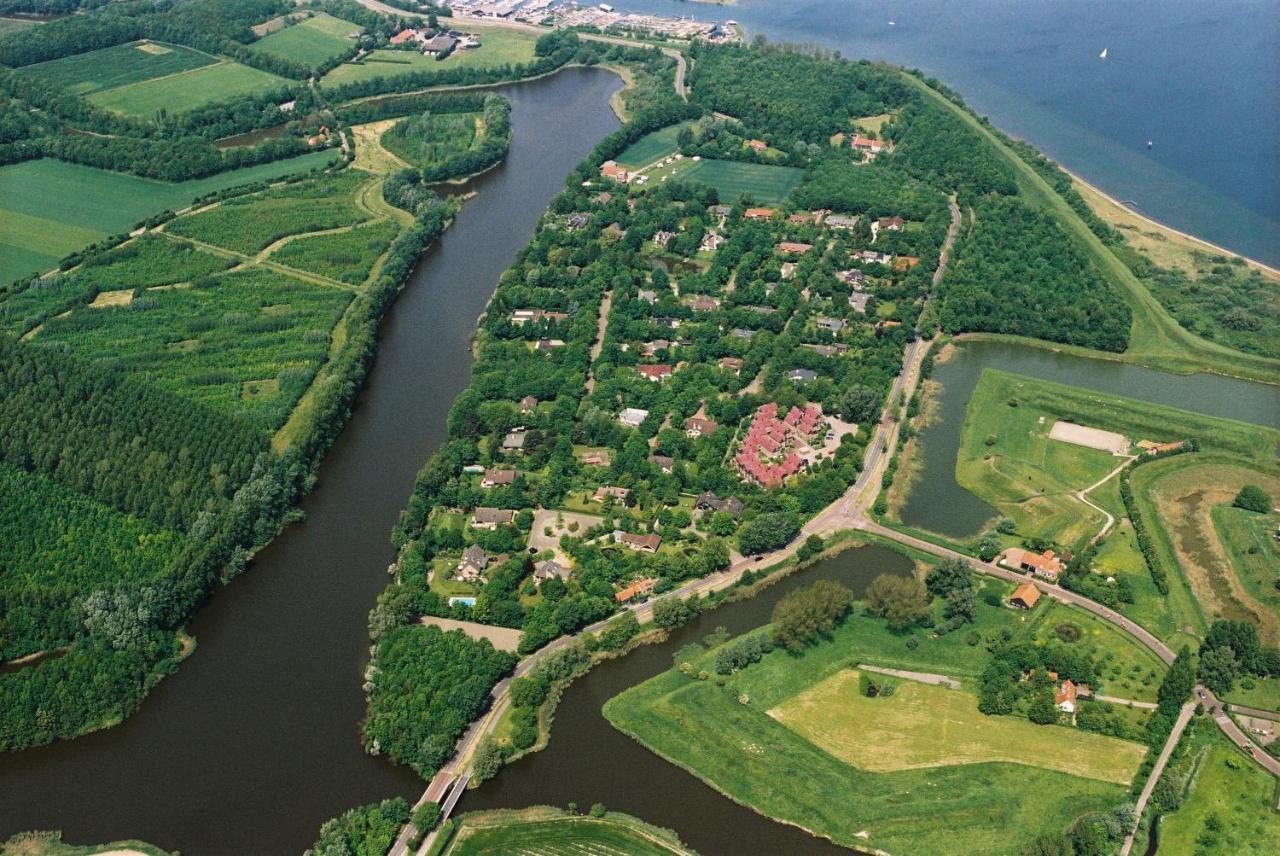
(1025, 596)
(711, 242)
(491, 518)
(655, 373)
(640, 543)
(893, 224)
(439, 44)
(474, 561)
(697, 426)
(702, 303)
(497, 478)
(403, 37)
(639, 588)
(757, 145)
(611, 170)
(840, 221)
(514, 441)
(801, 218)
(1065, 698)
(710, 502)
(596, 458)
(758, 213)
(604, 493)
(1044, 565)
(633, 416)
(794, 248)
(732, 364)
(866, 144)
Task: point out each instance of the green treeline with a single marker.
(1018, 272)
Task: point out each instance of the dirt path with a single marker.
(1083, 496)
(370, 154)
(1183, 718)
(606, 305)
(922, 677)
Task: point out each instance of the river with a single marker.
(255, 741)
(1199, 80)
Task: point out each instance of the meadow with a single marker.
(723, 735)
(50, 208)
(121, 65)
(346, 256)
(1248, 539)
(929, 726)
(247, 224)
(245, 343)
(178, 93)
(312, 41)
(498, 46)
(543, 830)
(431, 139)
(769, 185)
(1126, 667)
(652, 146)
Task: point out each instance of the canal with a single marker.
(255, 741)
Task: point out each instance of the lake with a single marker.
(1199, 80)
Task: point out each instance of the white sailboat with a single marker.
(1103, 55)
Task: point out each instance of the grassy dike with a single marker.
(1156, 339)
(542, 829)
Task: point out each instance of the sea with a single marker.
(1197, 79)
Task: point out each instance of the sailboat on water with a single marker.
(1103, 55)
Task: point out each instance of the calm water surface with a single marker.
(1199, 79)
(255, 741)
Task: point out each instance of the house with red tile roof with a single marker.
(655, 373)
(758, 213)
(610, 169)
(866, 144)
(794, 248)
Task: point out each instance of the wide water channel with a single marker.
(255, 741)
(938, 503)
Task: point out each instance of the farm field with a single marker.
(1180, 497)
(177, 93)
(247, 224)
(345, 256)
(1008, 459)
(652, 146)
(741, 751)
(1127, 668)
(426, 142)
(770, 185)
(1229, 809)
(930, 726)
(312, 41)
(542, 830)
(49, 208)
(498, 47)
(121, 65)
(246, 343)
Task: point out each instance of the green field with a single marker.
(13, 25)
(247, 224)
(50, 208)
(1230, 807)
(1250, 544)
(1008, 460)
(770, 185)
(122, 65)
(312, 41)
(541, 830)
(345, 256)
(1127, 668)
(725, 736)
(246, 342)
(188, 90)
(652, 146)
(431, 139)
(498, 47)
(929, 726)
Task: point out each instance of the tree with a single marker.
(1219, 669)
(808, 613)
(768, 532)
(1042, 711)
(1253, 498)
(1177, 684)
(903, 601)
(488, 760)
(671, 612)
(948, 576)
(1048, 844)
(860, 403)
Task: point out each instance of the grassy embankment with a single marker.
(51, 844)
(1156, 339)
(542, 829)
(726, 736)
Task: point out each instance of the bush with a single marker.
(902, 601)
(808, 613)
(1253, 498)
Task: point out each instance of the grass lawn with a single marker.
(187, 90)
(122, 65)
(543, 830)
(740, 750)
(651, 146)
(928, 726)
(1179, 497)
(312, 41)
(1229, 793)
(1128, 670)
(1263, 694)
(770, 185)
(1008, 460)
(498, 47)
(50, 208)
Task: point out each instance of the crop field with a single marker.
(428, 142)
(346, 256)
(765, 184)
(498, 47)
(49, 208)
(248, 224)
(1128, 669)
(1008, 459)
(548, 831)
(122, 65)
(929, 726)
(736, 747)
(313, 41)
(247, 342)
(1180, 497)
(652, 146)
(187, 90)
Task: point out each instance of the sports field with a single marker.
(652, 146)
(498, 47)
(108, 68)
(929, 726)
(769, 185)
(177, 93)
(50, 208)
(312, 41)
(542, 831)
